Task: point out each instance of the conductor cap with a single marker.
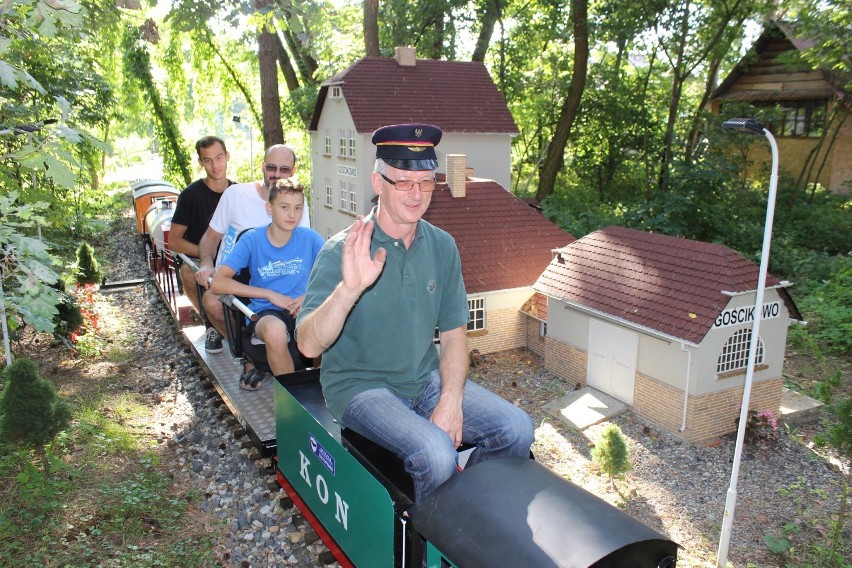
(408, 146)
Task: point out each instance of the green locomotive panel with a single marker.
(355, 508)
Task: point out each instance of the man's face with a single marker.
(279, 164)
(214, 160)
(403, 207)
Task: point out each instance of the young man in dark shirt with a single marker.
(195, 207)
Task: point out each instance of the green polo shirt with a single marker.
(387, 338)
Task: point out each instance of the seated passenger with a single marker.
(279, 258)
(377, 292)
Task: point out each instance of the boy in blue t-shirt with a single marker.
(279, 258)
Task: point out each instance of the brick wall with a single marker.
(535, 342)
(565, 361)
(708, 416)
(505, 329)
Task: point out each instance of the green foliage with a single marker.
(137, 64)
(26, 264)
(68, 318)
(32, 412)
(827, 307)
(88, 269)
(611, 453)
(776, 544)
(29, 503)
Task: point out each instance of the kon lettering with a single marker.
(341, 514)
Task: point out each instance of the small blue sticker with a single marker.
(326, 458)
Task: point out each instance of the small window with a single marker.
(327, 146)
(734, 354)
(351, 148)
(327, 233)
(329, 193)
(476, 309)
(542, 329)
(344, 197)
(796, 119)
(341, 143)
(353, 199)
(336, 92)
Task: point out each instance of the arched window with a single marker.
(734, 354)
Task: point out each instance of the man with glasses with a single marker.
(377, 292)
(242, 206)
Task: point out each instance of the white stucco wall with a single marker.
(488, 154)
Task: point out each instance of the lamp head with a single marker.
(744, 126)
(237, 118)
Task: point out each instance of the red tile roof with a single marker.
(458, 96)
(668, 284)
(504, 243)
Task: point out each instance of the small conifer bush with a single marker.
(68, 318)
(88, 269)
(31, 412)
(611, 453)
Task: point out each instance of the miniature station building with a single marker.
(813, 109)
(459, 97)
(663, 324)
(504, 243)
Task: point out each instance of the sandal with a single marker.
(251, 380)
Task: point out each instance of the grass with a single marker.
(114, 497)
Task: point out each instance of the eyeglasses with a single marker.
(272, 168)
(425, 185)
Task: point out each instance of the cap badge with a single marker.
(418, 132)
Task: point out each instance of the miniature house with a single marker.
(457, 96)
(664, 325)
(504, 246)
(811, 105)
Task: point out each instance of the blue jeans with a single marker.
(497, 428)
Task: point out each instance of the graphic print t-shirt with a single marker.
(282, 269)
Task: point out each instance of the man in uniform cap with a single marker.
(377, 292)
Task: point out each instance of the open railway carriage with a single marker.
(509, 512)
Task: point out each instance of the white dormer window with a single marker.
(336, 93)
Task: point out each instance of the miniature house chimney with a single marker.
(405, 56)
(457, 174)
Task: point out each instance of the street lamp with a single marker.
(238, 119)
(754, 127)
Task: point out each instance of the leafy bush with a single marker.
(827, 307)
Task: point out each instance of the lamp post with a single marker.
(238, 120)
(754, 127)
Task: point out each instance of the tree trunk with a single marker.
(305, 62)
(695, 127)
(554, 160)
(678, 79)
(490, 14)
(273, 131)
(286, 65)
(371, 28)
